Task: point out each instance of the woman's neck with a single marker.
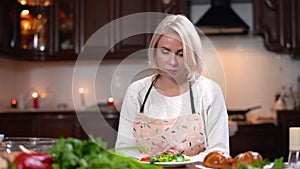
(171, 87)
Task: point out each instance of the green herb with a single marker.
(168, 157)
(71, 153)
(278, 163)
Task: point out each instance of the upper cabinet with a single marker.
(58, 29)
(6, 28)
(278, 21)
(98, 13)
(41, 30)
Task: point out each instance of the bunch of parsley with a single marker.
(72, 153)
(168, 157)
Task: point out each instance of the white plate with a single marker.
(174, 164)
(171, 164)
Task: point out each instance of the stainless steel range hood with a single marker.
(220, 19)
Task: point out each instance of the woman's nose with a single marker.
(173, 60)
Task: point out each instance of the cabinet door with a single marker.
(117, 40)
(40, 30)
(17, 125)
(140, 41)
(100, 126)
(295, 38)
(57, 125)
(262, 138)
(6, 22)
(123, 29)
(32, 30)
(278, 21)
(268, 20)
(65, 30)
(286, 119)
(95, 14)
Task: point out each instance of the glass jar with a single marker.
(11, 144)
(294, 154)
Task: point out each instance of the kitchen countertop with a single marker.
(89, 111)
(34, 110)
(103, 107)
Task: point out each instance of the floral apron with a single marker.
(183, 133)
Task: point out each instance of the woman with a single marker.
(176, 108)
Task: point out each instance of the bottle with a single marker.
(21, 102)
(298, 94)
(294, 147)
(280, 103)
(290, 99)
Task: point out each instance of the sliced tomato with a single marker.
(171, 152)
(145, 159)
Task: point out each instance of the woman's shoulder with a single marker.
(206, 83)
(208, 88)
(140, 84)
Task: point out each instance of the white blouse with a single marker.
(208, 101)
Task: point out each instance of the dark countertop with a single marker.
(34, 110)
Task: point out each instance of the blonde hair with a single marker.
(192, 47)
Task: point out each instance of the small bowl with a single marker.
(30, 143)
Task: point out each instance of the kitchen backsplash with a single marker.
(250, 76)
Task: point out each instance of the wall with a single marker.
(248, 74)
(8, 81)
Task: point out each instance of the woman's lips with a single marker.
(171, 71)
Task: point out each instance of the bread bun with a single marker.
(247, 158)
(217, 160)
(5, 156)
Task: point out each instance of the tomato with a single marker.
(170, 152)
(145, 159)
(33, 161)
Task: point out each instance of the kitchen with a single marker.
(250, 74)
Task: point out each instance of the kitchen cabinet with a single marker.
(262, 138)
(110, 10)
(58, 29)
(58, 125)
(44, 30)
(278, 21)
(6, 28)
(55, 124)
(39, 124)
(103, 125)
(17, 125)
(287, 119)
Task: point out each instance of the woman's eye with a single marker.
(165, 52)
(180, 54)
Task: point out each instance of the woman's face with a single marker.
(169, 55)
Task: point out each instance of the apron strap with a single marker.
(147, 94)
(153, 83)
(192, 99)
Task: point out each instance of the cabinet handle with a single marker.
(272, 4)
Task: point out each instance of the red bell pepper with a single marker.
(36, 160)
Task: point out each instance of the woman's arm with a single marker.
(125, 140)
(216, 121)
